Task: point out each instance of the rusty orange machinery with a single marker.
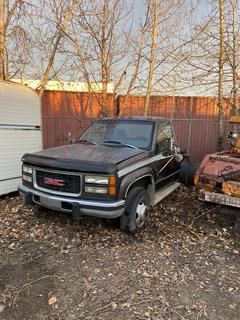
(218, 176)
(236, 147)
(220, 173)
(235, 119)
(218, 179)
(231, 188)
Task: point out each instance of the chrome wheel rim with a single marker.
(141, 214)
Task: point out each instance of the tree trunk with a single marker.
(220, 80)
(2, 41)
(6, 14)
(234, 65)
(104, 59)
(135, 72)
(152, 56)
(138, 60)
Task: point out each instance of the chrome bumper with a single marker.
(77, 207)
(219, 198)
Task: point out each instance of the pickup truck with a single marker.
(118, 168)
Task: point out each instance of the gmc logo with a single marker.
(54, 182)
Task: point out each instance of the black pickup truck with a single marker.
(118, 168)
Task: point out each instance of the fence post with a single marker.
(189, 132)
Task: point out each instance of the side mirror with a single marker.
(177, 155)
(229, 136)
(185, 153)
(232, 138)
(70, 139)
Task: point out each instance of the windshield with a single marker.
(129, 133)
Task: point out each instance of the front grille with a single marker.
(58, 182)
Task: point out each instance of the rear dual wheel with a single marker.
(136, 212)
(187, 173)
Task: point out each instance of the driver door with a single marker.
(167, 167)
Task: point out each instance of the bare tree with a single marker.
(104, 56)
(232, 47)
(168, 44)
(234, 56)
(152, 53)
(137, 61)
(102, 43)
(84, 67)
(221, 74)
(7, 13)
(2, 41)
(102, 39)
(61, 29)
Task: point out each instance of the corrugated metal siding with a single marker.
(194, 118)
(68, 112)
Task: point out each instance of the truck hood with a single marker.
(85, 157)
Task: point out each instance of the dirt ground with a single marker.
(184, 265)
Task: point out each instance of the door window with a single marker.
(165, 138)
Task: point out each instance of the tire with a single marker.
(187, 173)
(192, 170)
(184, 170)
(136, 211)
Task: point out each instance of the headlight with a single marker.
(96, 190)
(97, 179)
(27, 169)
(27, 178)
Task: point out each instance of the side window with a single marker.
(165, 138)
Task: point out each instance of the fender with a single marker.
(129, 179)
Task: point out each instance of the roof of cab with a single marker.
(155, 119)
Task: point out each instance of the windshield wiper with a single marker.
(86, 141)
(121, 143)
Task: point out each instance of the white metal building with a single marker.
(20, 131)
(73, 86)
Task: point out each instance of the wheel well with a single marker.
(144, 182)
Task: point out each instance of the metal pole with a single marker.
(2, 42)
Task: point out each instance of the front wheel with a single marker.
(136, 211)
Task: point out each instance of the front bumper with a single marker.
(75, 206)
(219, 198)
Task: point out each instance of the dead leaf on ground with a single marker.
(2, 307)
(52, 300)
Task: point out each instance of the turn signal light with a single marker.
(112, 191)
(112, 181)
